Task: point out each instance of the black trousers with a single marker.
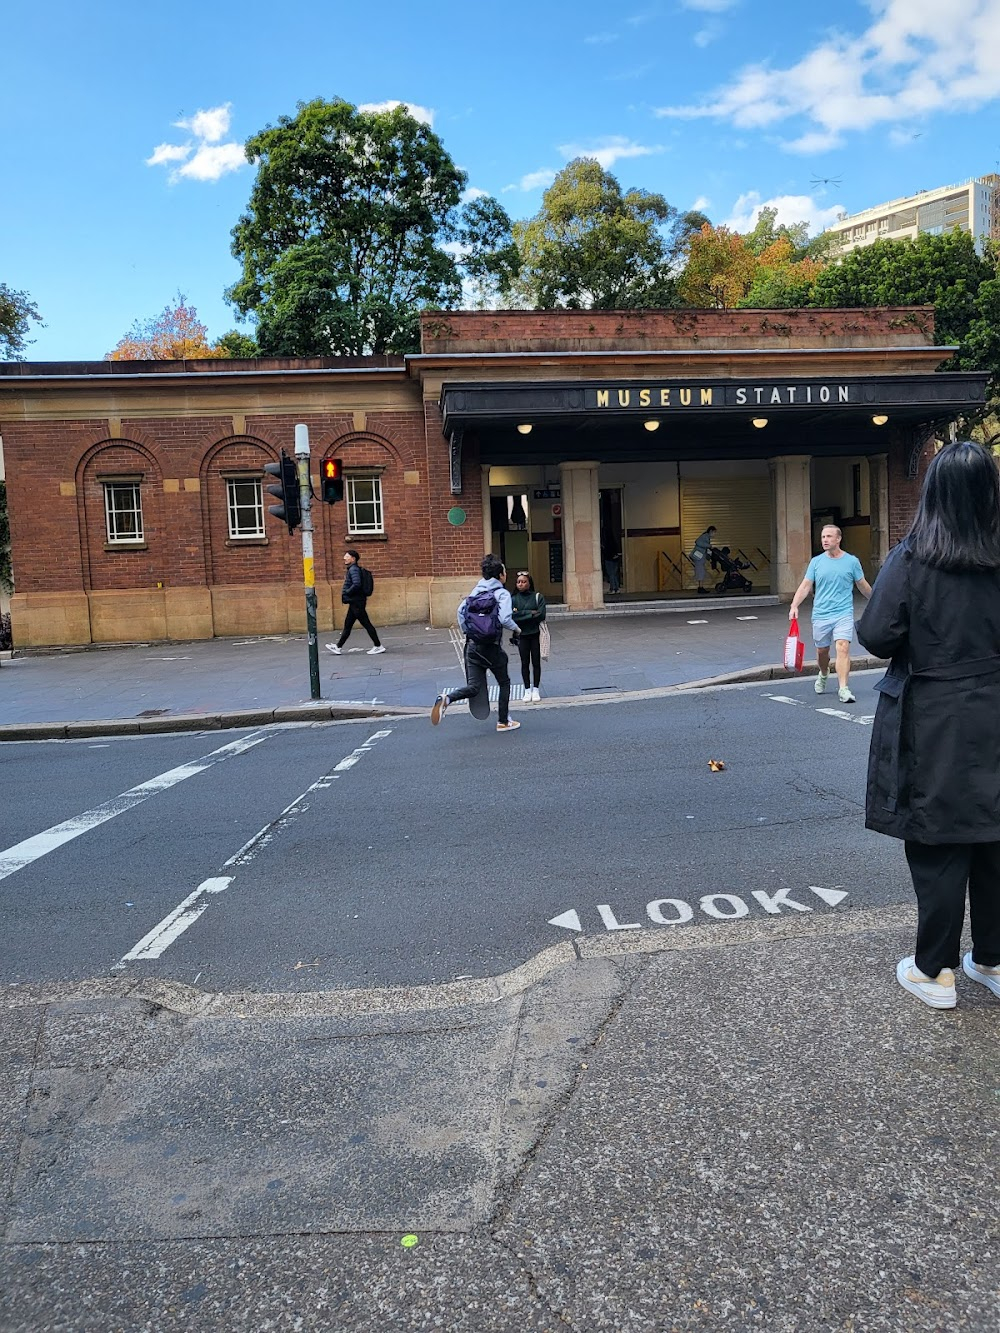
(359, 615)
(480, 658)
(530, 648)
(941, 874)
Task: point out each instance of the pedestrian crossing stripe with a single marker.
(862, 719)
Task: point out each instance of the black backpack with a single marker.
(367, 581)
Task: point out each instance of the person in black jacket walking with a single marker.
(353, 596)
(933, 771)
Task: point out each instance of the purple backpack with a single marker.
(482, 617)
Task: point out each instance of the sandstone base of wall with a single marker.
(58, 619)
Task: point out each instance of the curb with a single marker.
(751, 674)
(149, 726)
(313, 712)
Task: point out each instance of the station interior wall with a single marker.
(664, 502)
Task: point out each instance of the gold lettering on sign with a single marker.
(602, 397)
(706, 397)
(685, 396)
(664, 397)
(624, 397)
(643, 397)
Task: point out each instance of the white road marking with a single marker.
(186, 913)
(783, 699)
(697, 622)
(746, 617)
(848, 717)
(31, 849)
(717, 906)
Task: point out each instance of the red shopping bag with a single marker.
(795, 649)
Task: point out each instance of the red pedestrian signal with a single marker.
(331, 474)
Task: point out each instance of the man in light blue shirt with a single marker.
(833, 575)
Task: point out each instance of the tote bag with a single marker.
(795, 649)
(544, 640)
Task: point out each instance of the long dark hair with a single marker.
(957, 523)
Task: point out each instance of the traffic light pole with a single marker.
(308, 570)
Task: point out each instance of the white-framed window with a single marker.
(364, 506)
(123, 513)
(245, 496)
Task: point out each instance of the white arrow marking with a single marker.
(568, 920)
(782, 699)
(831, 896)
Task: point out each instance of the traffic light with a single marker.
(332, 476)
(290, 510)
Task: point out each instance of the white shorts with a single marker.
(826, 632)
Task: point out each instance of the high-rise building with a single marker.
(973, 206)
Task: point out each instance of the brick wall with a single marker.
(904, 492)
(637, 330)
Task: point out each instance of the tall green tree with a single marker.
(943, 270)
(17, 312)
(351, 230)
(940, 270)
(595, 246)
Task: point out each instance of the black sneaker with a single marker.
(440, 706)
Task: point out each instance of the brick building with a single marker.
(553, 437)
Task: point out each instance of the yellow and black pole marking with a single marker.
(308, 568)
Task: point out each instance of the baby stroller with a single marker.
(732, 579)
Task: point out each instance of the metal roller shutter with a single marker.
(740, 508)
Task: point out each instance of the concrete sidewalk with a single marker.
(736, 1126)
(246, 682)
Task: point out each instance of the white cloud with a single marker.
(168, 152)
(534, 180)
(702, 204)
(705, 36)
(709, 6)
(212, 161)
(473, 192)
(421, 113)
(208, 126)
(204, 158)
(609, 150)
(791, 208)
(601, 38)
(917, 57)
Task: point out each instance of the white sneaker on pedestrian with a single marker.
(373, 652)
(334, 648)
(938, 992)
(508, 726)
(820, 684)
(986, 976)
(536, 698)
(845, 696)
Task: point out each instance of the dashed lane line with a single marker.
(862, 719)
(31, 849)
(187, 912)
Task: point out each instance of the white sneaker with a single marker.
(845, 696)
(986, 976)
(938, 992)
(333, 648)
(374, 652)
(820, 683)
(536, 698)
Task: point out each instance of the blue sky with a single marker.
(120, 162)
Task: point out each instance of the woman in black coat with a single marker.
(934, 766)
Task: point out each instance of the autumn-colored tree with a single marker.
(783, 278)
(177, 334)
(720, 268)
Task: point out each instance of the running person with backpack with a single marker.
(482, 618)
(358, 585)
